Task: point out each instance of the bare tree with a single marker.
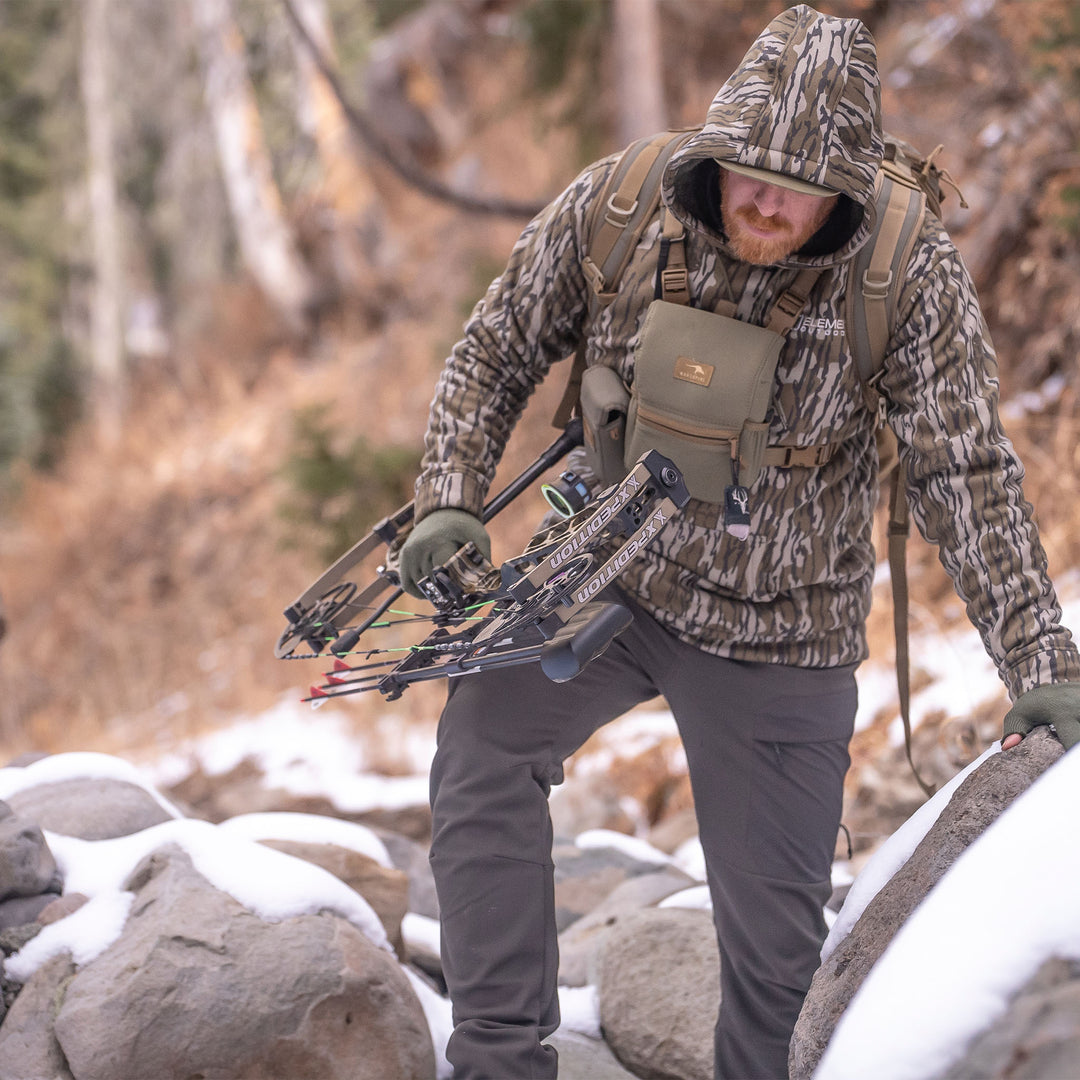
(404, 46)
(346, 194)
(639, 72)
(267, 241)
(107, 389)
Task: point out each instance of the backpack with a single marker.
(908, 184)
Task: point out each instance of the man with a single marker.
(753, 642)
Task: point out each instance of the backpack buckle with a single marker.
(620, 214)
(876, 286)
(675, 283)
(790, 303)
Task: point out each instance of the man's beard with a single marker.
(766, 250)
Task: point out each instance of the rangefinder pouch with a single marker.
(604, 402)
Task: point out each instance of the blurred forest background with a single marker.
(238, 238)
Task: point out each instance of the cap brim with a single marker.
(792, 183)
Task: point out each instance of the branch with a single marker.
(406, 169)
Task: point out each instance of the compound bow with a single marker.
(541, 605)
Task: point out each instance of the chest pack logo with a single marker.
(693, 371)
(820, 327)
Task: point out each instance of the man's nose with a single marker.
(768, 199)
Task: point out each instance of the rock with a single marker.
(411, 857)
(243, 790)
(91, 808)
(199, 986)
(584, 877)
(580, 943)
(15, 937)
(28, 1048)
(20, 910)
(1037, 1038)
(385, 889)
(659, 987)
(27, 867)
(634, 791)
(582, 1058)
(974, 806)
(61, 908)
(670, 833)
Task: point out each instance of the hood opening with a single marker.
(697, 191)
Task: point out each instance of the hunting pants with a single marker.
(767, 752)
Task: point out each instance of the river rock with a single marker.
(580, 943)
(659, 987)
(199, 986)
(90, 808)
(28, 1046)
(384, 888)
(1037, 1037)
(27, 866)
(974, 806)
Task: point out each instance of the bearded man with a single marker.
(752, 633)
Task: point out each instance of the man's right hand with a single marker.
(433, 540)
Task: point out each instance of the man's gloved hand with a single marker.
(434, 540)
(1057, 704)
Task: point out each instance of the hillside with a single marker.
(144, 578)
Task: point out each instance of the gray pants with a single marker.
(767, 751)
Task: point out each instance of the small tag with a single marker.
(693, 371)
(737, 511)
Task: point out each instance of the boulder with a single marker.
(27, 866)
(582, 1058)
(20, 910)
(974, 806)
(385, 889)
(90, 808)
(580, 943)
(243, 790)
(584, 877)
(659, 987)
(199, 986)
(28, 1046)
(1037, 1038)
(411, 857)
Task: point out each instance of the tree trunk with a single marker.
(267, 242)
(638, 69)
(346, 192)
(107, 378)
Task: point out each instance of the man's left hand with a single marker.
(1057, 704)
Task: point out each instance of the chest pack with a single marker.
(908, 184)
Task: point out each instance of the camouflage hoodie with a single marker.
(804, 101)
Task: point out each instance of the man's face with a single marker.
(765, 222)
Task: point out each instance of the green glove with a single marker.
(1057, 704)
(434, 540)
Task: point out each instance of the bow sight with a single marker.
(540, 605)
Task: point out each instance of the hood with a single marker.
(804, 101)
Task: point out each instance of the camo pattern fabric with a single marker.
(797, 590)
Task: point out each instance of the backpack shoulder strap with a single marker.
(877, 271)
(624, 207)
(876, 277)
(614, 223)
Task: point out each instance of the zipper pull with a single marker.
(736, 501)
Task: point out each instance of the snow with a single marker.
(308, 753)
(269, 883)
(892, 854)
(958, 933)
(309, 829)
(631, 846)
(80, 765)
